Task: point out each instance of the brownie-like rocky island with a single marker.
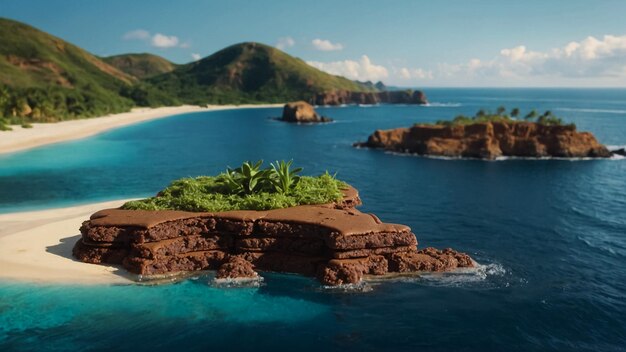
(251, 219)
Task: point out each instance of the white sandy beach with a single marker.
(48, 133)
(37, 247)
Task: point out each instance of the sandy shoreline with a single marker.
(49, 133)
(37, 246)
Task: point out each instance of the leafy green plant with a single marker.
(248, 178)
(275, 187)
(283, 177)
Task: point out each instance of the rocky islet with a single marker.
(334, 242)
(302, 112)
(489, 140)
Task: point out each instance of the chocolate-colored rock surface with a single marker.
(428, 259)
(390, 97)
(489, 140)
(303, 112)
(236, 267)
(334, 242)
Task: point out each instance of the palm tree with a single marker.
(501, 110)
(531, 115)
(515, 112)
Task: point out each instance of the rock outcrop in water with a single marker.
(619, 151)
(333, 242)
(390, 97)
(301, 112)
(489, 140)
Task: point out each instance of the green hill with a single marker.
(140, 65)
(48, 79)
(249, 73)
(44, 78)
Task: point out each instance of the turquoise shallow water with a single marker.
(551, 236)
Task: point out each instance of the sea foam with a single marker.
(600, 111)
(443, 105)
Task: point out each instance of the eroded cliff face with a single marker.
(489, 141)
(390, 97)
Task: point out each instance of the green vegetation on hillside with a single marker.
(249, 73)
(46, 79)
(501, 115)
(140, 65)
(245, 188)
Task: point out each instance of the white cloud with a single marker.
(138, 34)
(326, 45)
(413, 73)
(591, 59)
(195, 56)
(362, 70)
(157, 40)
(285, 42)
(164, 41)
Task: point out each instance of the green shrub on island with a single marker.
(483, 116)
(4, 124)
(248, 187)
(52, 104)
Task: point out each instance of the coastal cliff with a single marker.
(489, 140)
(391, 97)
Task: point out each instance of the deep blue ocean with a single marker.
(550, 236)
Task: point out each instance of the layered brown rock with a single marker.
(334, 242)
(236, 267)
(389, 97)
(302, 112)
(490, 140)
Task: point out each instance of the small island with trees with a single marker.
(251, 219)
(490, 135)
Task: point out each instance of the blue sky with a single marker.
(408, 43)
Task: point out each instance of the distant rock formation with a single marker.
(620, 151)
(490, 140)
(302, 112)
(391, 97)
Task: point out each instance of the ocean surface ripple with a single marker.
(549, 235)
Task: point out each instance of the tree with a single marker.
(531, 115)
(501, 110)
(481, 113)
(5, 97)
(542, 120)
(515, 112)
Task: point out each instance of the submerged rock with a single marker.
(489, 140)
